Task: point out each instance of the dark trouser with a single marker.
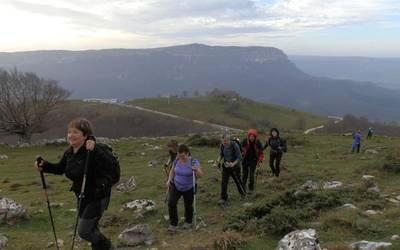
(235, 173)
(356, 146)
(88, 224)
(249, 166)
(174, 196)
(275, 161)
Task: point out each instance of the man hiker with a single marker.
(100, 178)
(252, 158)
(356, 142)
(182, 181)
(231, 155)
(370, 133)
(278, 147)
(172, 151)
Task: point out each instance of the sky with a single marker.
(298, 27)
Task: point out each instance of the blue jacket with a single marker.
(357, 138)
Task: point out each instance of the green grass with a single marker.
(316, 157)
(243, 113)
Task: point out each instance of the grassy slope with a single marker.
(248, 114)
(20, 182)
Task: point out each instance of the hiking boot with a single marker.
(172, 229)
(104, 244)
(221, 202)
(187, 225)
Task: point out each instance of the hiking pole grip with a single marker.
(39, 159)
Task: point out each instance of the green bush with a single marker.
(198, 140)
(286, 212)
(392, 161)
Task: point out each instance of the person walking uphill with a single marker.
(173, 152)
(278, 147)
(356, 142)
(231, 155)
(252, 158)
(182, 181)
(99, 178)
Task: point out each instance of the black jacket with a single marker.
(98, 181)
(277, 143)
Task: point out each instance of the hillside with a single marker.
(234, 111)
(113, 121)
(260, 73)
(319, 158)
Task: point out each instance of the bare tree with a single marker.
(25, 102)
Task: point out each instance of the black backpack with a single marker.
(111, 157)
(282, 142)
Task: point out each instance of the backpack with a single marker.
(113, 158)
(282, 142)
(233, 142)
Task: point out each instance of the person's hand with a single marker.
(168, 183)
(90, 144)
(38, 165)
(229, 164)
(195, 169)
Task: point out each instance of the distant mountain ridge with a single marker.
(261, 73)
(382, 71)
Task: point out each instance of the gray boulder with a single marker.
(137, 235)
(309, 186)
(3, 157)
(3, 241)
(300, 239)
(10, 210)
(127, 186)
(369, 245)
(140, 206)
(332, 184)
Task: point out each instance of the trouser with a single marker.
(174, 196)
(235, 173)
(275, 161)
(249, 169)
(88, 224)
(356, 147)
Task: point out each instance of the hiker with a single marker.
(180, 183)
(231, 155)
(98, 182)
(172, 151)
(253, 156)
(278, 147)
(370, 133)
(356, 142)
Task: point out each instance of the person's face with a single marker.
(226, 142)
(274, 133)
(183, 156)
(252, 138)
(75, 137)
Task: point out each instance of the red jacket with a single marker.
(257, 145)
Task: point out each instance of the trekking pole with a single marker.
(235, 176)
(165, 203)
(81, 197)
(38, 160)
(255, 179)
(194, 201)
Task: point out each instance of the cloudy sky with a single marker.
(309, 27)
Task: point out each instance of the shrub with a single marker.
(203, 141)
